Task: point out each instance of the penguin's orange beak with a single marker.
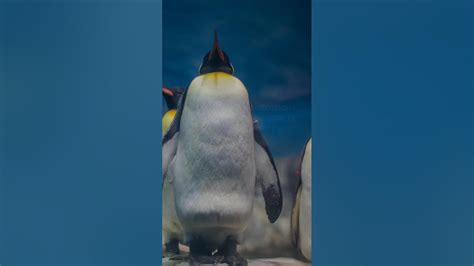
(167, 91)
(216, 50)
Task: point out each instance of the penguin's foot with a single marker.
(194, 261)
(201, 253)
(198, 248)
(236, 260)
(179, 257)
(229, 251)
(229, 248)
(213, 260)
(172, 248)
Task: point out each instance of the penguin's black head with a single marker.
(172, 96)
(216, 60)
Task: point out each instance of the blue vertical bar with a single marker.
(82, 132)
(159, 108)
(393, 123)
(3, 189)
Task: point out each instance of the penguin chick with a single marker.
(216, 157)
(301, 213)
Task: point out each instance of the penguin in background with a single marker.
(301, 213)
(172, 97)
(216, 157)
(171, 228)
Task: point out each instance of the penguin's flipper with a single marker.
(267, 177)
(170, 140)
(295, 215)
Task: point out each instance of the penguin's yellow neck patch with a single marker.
(214, 79)
(217, 82)
(166, 121)
(218, 75)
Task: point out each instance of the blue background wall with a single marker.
(82, 133)
(393, 125)
(394, 132)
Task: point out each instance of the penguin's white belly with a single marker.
(214, 167)
(171, 226)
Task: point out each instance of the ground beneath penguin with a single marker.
(251, 262)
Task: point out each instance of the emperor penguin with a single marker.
(171, 227)
(301, 213)
(216, 157)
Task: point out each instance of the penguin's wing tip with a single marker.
(273, 203)
(267, 177)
